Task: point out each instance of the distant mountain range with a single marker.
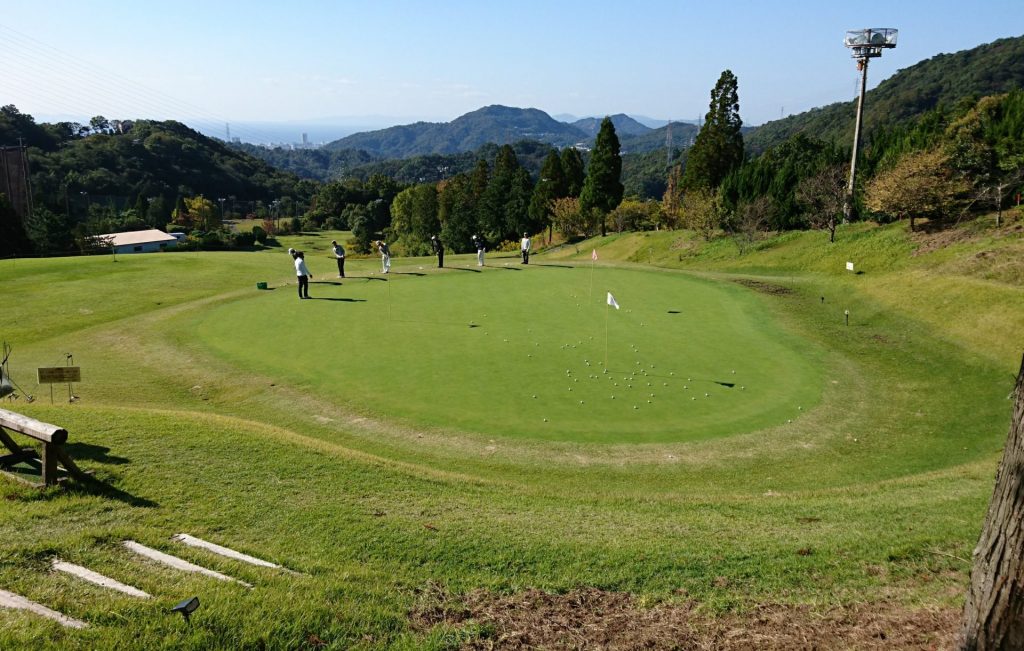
(493, 124)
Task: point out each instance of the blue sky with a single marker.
(406, 60)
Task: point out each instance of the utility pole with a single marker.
(865, 44)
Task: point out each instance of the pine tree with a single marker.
(602, 189)
(718, 148)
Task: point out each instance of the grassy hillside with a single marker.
(264, 423)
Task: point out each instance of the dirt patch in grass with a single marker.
(764, 288)
(589, 618)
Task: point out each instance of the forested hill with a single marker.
(943, 79)
(491, 124)
(124, 162)
(624, 126)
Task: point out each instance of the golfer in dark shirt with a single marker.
(438, 247)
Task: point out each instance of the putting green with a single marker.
(520, 352)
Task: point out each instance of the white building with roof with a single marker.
(147, 241)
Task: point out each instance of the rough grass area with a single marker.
(286, 431)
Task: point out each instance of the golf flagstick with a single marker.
(389, 299)
(593, 259)
(606, 306)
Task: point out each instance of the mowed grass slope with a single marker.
(268, 424)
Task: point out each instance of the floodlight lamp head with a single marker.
(186, 607)
(868, 43)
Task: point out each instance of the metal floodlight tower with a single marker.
(864, 44)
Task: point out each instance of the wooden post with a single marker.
(49, 464)
(994, 609)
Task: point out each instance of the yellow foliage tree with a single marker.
(920, 184)
(203, 213)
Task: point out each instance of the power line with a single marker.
(74, 83)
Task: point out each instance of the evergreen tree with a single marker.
(602, 189)
(572, 170)
(517, 208)
(550, 186)
(492, 209)
(718, 148)
(457, 213)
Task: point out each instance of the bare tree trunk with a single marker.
(994, 611)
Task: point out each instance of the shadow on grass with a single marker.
(88, 485)
(98, 453)
(510, 268)
(343, 300)
(476, 271)
(93, 486)
(555, 266)
(408, 273)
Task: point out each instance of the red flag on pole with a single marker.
(593, 256)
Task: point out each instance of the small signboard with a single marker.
(849, 266)
(59, 374)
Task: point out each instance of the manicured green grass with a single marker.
(378, 456)
(519, 351)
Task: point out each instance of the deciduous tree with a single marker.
(821, 197)
(920, 184)
(701, 212)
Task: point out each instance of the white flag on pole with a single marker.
(611, 301)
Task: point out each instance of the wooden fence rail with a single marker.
(52, 454)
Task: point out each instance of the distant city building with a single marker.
(305, 140)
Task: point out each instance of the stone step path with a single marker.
(97, 578)
(192, 541)
(17, 602)
(177, 563)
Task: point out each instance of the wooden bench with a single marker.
(52, 438)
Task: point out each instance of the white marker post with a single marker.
(849, 266)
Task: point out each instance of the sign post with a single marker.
(59, 375)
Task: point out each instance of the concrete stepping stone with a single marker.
(177, 563)
(192, 541)
(97, 578)
(17, 602)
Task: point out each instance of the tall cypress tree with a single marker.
(602, 189)
(572, 170)
(718, 148)
(550, 186)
